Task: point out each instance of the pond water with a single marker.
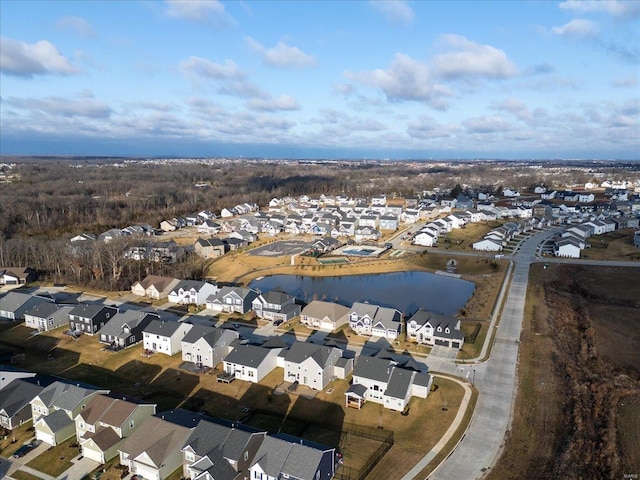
(406, 291)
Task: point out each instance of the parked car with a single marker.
(278, 322)
(24, 449)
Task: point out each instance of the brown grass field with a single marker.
(576, 414)
(612, 246)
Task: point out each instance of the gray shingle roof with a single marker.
(65, 395)
(399, 383)
(15, 396)
(373, 368)
(319, 309)
(131, 318)
(42, 310)
(197, 332)
(161, 327)
(247, 355)
(272, 455)
(300, 351)
(89, 310)
(56, 420)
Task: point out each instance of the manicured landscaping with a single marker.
(55, 460)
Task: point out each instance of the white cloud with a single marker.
(625, 82)
(515, 108)
(396, 12)
(201, 67)
(84, 105)
(426, 127)
(616, 8)
(342, 122)
(345, 89)
(577, 28)
(283, 102)
(465, 58)
(406, 79)
(201, 11)
(485, 124)
(282, 55)
(28, 59)
(76, 24)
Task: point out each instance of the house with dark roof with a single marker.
(195, 292)
(369, 319)
(381, 380)
(313, 365)
(54, 409)
(433, 329)
(105, 422)
(220, 450)
(154, 449)
(285, 457)
(210, 247)
(165, 336)
(232, 300)
(89, 318)
(325, 316)
(251, 363)
(16, 275)
(207, 346)
(47, 316)
(275, 305)
(14, 305)
(15, 402)
(126, 328)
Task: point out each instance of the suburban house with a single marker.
(434, 329)
(369, 319)
(9, 373)
(15, 402)
(165, 337)
(232, 300)
(105, 421)
(154, 450)
(219, 449)
(275, 305)
(288, 457)
(14, 305)
(54, 409)
(89, 318)
(47, 316)
(154, 286)
(207, 346)
(312, 365)
(325, 316)
(567, 247)
(16, 275)
(488, 245)
(126, 328)
(192, 291)
(210, 247)
(380, 380)
(251, 363)
(425, 239)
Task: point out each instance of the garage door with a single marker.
(45, 437)
(444, 343)
(91, 454)
(147, 473)
(455, 344)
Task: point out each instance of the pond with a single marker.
(406, 291)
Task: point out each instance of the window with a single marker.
(131, 423)
(189, 457)
(246, 455)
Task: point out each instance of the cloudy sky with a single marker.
(357, 79)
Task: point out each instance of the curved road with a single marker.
(496, 378)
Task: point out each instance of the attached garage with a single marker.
(146, 472)
(443, 343)
(455, 344)
(45, 437)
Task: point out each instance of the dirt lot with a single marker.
(577, 414)
(616, 245)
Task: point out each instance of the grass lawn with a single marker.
(23, 434)
(612, 246)
(56, 459)
(20, 475)
(468, 327)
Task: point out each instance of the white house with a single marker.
(251, 363)
(207, 346)
(310, 364)
(425, 239)
(164, 336)
(434, 329)
(369, 319)
(488, 245)
(192, 292)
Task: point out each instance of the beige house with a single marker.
(326, 316)
(154, 286)
(104, 424)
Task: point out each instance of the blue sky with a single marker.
(360, 79)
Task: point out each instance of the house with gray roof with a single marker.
(251, 363)
(105, 422)
(54, 409)
(126, 328)
(232, 300)
(275, 305)
(15, 402)
(207, 346)
(89, 318)
(195, 292)
(165, 336)
(287, 457)
(224, 450)
(47, 316)
(313, 365)
(154, 449)
(14, 305)
(434, 329)
(382, 381)
(370, 319)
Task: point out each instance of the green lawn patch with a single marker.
(20, 475)
(55, 460)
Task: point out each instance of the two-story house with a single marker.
(232, 300)
(164, 336)
(105, 422)
(207, 346)
(89, 318)
(126, 328)
(251, 363)
(313, 365)
(275, 305)
(192, 292)
(434, 329)
(369, 319)
(47, 316)
(16, 398)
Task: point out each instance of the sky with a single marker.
(321, 79)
